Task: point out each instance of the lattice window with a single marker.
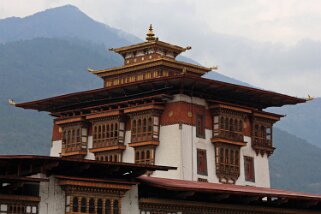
(99, 205)
(201, 162)
(200, 125)
(262, 136)
(108, 132)
(18, 207)
(74, 138)
(144, 127)
(110, 156)
(249, 168)
(228, 124)
(227, 162)
(145, 155)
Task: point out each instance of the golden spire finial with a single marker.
(150, 34)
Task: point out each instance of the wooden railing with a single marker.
(229, 135)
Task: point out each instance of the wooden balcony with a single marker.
(228, 172)
(107, 145)
(262, 146)
(230, 137)
(74, 150)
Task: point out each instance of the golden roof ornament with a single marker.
(150, 34)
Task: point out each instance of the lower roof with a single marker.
(26, 165)
(188, 186)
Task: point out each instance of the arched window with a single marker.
(73, 136)
(236, 128)
(108, 207)
(83, 205)
(116, 130)
(142, 156)
(91, 205)
(226, 124)
(75, 205)
(99, 206)
(231, 125)
(99, 132)
(221, 155)
(240, 125)
(116, 207)
(64, 136)
(226, 157)
(150, 124)
(69, 137)
(111, 130)
(231, 157)
(222, 123)
(134, 128)
(256, 131)
(78, 135)
(107, 131)
(236, 158)
(95, 133)
(103, 135)
(144, 125)
(139, 127)
(263, 132)
(137, 156)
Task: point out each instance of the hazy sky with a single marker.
(273, 44)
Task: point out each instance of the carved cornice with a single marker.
(108, 148)
(144, 143)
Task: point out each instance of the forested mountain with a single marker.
(34, 68)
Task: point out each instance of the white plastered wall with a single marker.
(130, 201)
(52, 197)
(261, 166)
(169, 152)
(55, 149)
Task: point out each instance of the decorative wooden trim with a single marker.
(94, 180)
(74, 153)
(25, 198)
(109, 148)
(195, 207)
(143, 108)
(221, 140)
(152, 64)
(148, 44)
(94, 185)
(268, 115)
(102, 114)
(68, 120)
(144, 143)
(231, 107)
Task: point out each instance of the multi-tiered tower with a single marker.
(157, 110)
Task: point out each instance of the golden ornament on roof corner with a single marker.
(150, 34)
(310, 98)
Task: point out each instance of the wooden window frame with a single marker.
(201, 162)
(89, 204)
(200, 125)
(227, 167)
(249, 169)
(144, 127)
(145, 155)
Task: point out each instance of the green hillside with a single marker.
(36, 69)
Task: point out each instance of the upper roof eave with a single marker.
(160, 61)
(270, 98)
(124, 49)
